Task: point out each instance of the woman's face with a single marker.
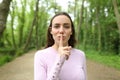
(61, 25)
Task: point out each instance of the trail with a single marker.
(98, 71)
(21, 68)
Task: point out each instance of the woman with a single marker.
(60, 60)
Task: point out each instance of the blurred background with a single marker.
(24, 23)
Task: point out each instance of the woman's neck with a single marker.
(55, 47)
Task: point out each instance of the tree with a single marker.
(12, 13)
(81, 20)
(22, 22)
(32, 25)
(117, 19)
(116, 13)
(4, 10)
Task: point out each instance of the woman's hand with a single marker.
(63, 50)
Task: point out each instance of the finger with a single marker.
(61, 41)
(68, 48)
(67, 54)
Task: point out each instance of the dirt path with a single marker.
(22, 69)
(98, 71)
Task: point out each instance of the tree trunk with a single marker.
(4, 10)
(75, 11)
(12, 23)
(22, 22)
(85, 30)
(98, 27)
(116, 13)
(37, 31)
(31, 29)
(80, 22)
(118, 19)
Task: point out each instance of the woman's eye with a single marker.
(67, 26)
(56, 26)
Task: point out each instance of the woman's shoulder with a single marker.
(42, 51)
(78, 51)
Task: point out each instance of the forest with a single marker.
(24, 23)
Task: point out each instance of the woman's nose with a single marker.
(61, 30)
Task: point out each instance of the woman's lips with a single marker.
(63, 37)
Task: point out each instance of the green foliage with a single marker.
(7, 50)
(99, 28)
(4, 59)
(104, 57)
(19, 52)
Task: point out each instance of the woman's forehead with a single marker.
(61, 19)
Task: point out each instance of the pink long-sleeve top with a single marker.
(48, 65)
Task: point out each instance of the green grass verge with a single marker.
(105, 58)
(4, 59)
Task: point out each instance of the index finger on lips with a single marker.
(61, 41)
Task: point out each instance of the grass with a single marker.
(105, 58)
(7, 57)
(4, 59)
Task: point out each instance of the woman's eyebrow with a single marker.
(66, 23)
(56, 24)
(63, 24)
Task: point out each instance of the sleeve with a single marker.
(39, 67)
(56, 68)
(84, 67)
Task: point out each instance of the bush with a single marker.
(8, 50)
(4, 59)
